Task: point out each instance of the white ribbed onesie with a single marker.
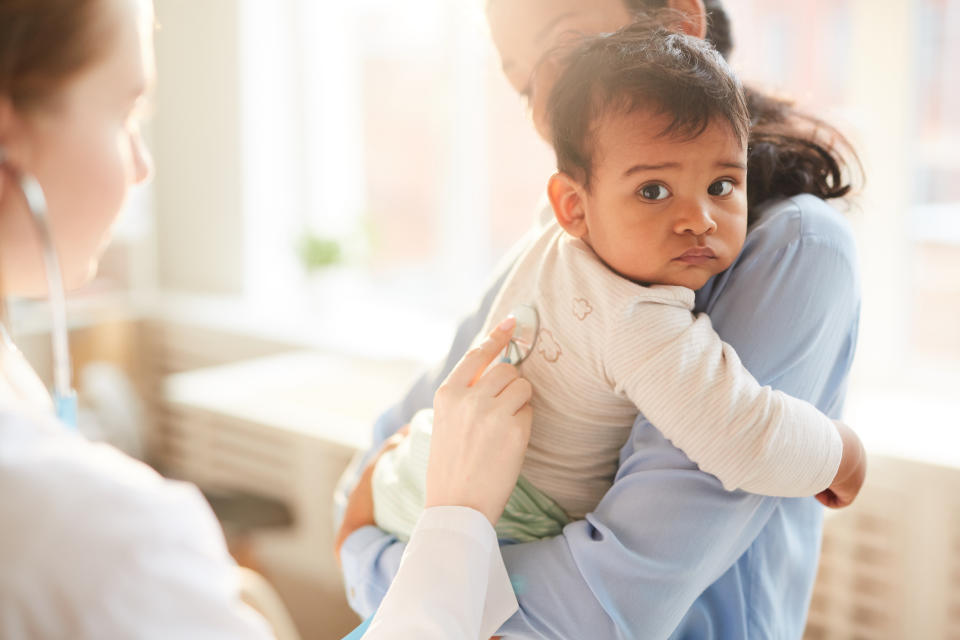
(608, 347)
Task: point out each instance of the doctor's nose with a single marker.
(142, 159)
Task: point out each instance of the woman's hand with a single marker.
(359, 511)
(481, 427)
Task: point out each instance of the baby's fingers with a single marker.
(828, 499)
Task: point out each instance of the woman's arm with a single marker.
(666, 532)
(692, 386)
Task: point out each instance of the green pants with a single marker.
(399, 493)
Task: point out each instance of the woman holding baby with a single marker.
(96, 545)
(667, 551)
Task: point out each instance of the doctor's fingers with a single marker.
(474, 362)
(512, 434)
(493, 382)
(515, 396)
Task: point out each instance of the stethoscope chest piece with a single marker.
(524, 334)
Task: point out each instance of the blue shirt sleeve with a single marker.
(651, 559)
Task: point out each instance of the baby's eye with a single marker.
(721, 188)
(654, 192)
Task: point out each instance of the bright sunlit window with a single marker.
(371, 165)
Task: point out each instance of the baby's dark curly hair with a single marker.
(646, 65)
(641, 67)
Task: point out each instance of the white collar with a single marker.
(20, 387)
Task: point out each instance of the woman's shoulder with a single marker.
(801, 241)
(578, 263)
(800, 219)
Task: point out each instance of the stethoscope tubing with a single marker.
(64, 397)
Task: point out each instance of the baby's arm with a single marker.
(692, 386)
(851, 474)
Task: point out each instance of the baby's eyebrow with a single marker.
(650, 167)
(637, 168)
(732, 165)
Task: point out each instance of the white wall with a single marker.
(196, 146)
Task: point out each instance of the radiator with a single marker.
(890, 565)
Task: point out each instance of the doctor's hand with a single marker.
(481, 428)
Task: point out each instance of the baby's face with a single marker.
(661, 210)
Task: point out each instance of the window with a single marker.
(884, 73)
(386, 128)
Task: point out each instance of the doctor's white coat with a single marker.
(94, 544)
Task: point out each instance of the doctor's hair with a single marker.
(640, 67)
(44, 43)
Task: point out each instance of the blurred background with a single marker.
(335, 183)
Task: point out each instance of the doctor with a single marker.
(96, 545)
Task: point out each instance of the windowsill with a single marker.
(915, 419)
(937, 223)
(332, 398)
(32, 317)
(362, 324)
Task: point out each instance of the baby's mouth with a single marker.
(697, 255)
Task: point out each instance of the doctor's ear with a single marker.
(567, 196)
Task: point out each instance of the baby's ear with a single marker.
(567, 197)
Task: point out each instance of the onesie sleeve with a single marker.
(694, 389)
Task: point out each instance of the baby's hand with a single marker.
(853, 469)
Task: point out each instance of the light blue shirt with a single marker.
(668, 553)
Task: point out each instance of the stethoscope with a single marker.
(64, 397)
(525, 334)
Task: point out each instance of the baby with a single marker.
(650, 201)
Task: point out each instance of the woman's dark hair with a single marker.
(790, 152)
(45, 42)
(641, 67)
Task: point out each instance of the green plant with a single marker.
(318, 252)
